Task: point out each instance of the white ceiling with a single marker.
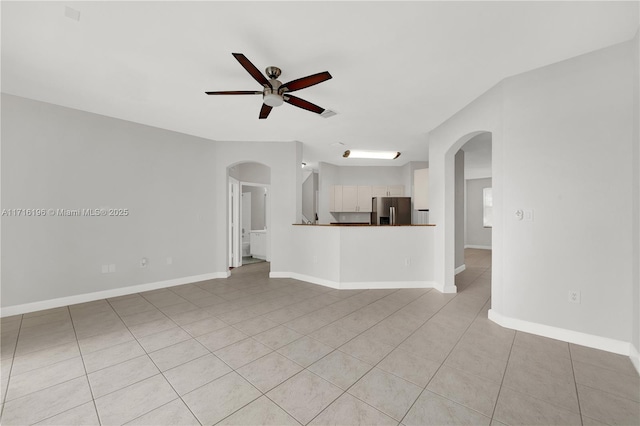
(399, 69)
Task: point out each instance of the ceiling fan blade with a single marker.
(264, 111)
(301, 103)
(235, 92)
(307, 81)
(251, 69)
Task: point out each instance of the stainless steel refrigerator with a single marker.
(391, 211)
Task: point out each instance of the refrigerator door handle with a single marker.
(392, 215)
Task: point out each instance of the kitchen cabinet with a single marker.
(421, 189)
(388, 191)
(258, 244)
(356, 198)
(364, 199)
(335, 198)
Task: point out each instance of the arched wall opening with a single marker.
(283, 160)
(455, 161)
(483, 116)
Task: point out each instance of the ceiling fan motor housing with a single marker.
(273, 72)
(271, 95)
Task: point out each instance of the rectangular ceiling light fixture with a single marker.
(376, 155)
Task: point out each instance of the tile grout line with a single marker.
(13, 357)
(375, 365)
(575, 384)
(86, 374)
(210, 352)
(306, 368)
(445, 359)
(504, 373)
(160, 372)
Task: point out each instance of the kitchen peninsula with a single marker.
(362, 256)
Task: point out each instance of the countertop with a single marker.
(356, 224)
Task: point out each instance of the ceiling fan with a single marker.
(274, 92)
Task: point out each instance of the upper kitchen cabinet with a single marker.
(355, 198)
(421, 189)
(388, 191)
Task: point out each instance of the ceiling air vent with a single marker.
(72, 13)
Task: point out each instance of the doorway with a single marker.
(473, 207)
(249, 214)
(253, 233)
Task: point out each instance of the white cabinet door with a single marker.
(395, 190)
(379, 191)
(352, 198)
(349, 198)
(388, 191)
(258, 244)
(364, 198)
(421, 189)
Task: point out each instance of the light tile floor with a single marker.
(253, 350)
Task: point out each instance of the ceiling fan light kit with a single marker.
(375, 155)
(275, 93)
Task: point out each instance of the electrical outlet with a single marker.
(574, 296)
(112, 268)
(407, 261)
(528, 215)
(105, 269)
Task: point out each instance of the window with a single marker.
(487, 211)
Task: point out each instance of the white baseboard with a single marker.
(385, 285)
(98, 295)
(460, 269)
(472, 246)
(359, 285)
(635, 358)
(571, 336)
(445, 289)
(306, 278)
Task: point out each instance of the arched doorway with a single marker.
(473, 210)
(443, 188)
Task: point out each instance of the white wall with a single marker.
(328, 175)
(635, 340)
(459, 194)
(55, 157)
(362, 257)
(252, 173)
(573, 120)
(476, 235)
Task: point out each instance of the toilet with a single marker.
(246, 250)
